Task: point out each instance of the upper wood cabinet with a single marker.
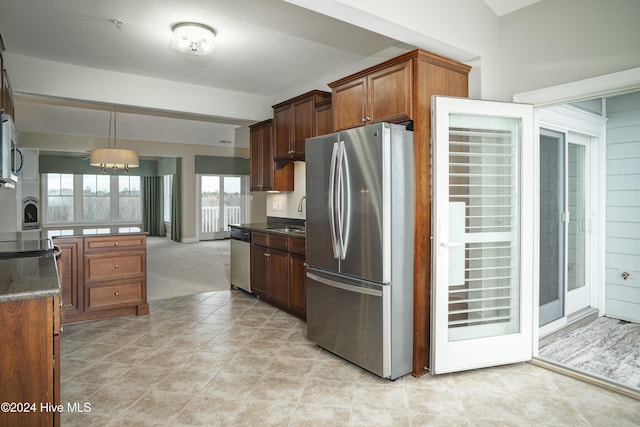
(399, 90)
(294, 121)
(263, 174)
(382, 95)
(7, 99)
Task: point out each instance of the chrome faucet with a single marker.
(300, 204)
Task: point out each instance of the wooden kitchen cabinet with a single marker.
(399, 90)
(277, 273)
(259, 271)
(70, 273)
(30, 361)
(324, 117)
(297, 277)
(7, 98)
(294, 121)
(381, 95)
(102, 276)
(263, 174)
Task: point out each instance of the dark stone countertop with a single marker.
(27, 277)
(290, 230)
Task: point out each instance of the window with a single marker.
(129, 198)
(96, 198)
(91, 199)
(60, 200)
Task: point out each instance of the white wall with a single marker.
(623, 207)
(285, 205)
(559, 41)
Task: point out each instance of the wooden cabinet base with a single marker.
(102, 277)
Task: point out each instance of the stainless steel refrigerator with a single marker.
(360, 246)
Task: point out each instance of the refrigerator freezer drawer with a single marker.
(350, 319)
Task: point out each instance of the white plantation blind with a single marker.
(483, 198)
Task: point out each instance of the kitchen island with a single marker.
(30, 333)
(102, 275)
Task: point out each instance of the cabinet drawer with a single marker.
(297, 245)
(125, 293)
(114, 266)
(260, 239)
(111, 243)
(277, 241)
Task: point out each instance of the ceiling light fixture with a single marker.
(113, 158)
(192, 38)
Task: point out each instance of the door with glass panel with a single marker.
(221, 203)
(564, 224)
(482, 242)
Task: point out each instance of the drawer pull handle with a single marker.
(116, 266)
(117, 293)
(115, 244)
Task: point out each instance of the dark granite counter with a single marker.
(290, 230)
(27, 277)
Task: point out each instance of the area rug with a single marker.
(608, 348)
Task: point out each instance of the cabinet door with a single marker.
(26, 360)
(302, 115)
(259, 270)
(278, 277)
(70, 269)
(350, 104)
(297, 284)
(282, 131)
(389, 92)
(323, 119)
(267, 156)
(255, 158)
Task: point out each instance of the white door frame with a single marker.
(571, 120)
(596, 87)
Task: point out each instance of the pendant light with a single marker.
(113, 158)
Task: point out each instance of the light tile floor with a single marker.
(225, 358)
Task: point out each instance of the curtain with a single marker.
(152, 205)
(176, 210)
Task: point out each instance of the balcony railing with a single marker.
(211, 222)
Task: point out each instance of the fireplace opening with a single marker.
(30, 216)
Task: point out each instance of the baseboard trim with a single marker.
(189, 240)
(591, 379)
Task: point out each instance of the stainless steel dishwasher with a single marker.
(240, 258)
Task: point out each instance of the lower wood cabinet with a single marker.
(30, 361)
(102, 276)
(278, 271)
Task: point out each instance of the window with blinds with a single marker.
(483, 209)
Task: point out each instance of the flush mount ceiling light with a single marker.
(192, 38)
(113, 158)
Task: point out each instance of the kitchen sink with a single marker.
(292, 230)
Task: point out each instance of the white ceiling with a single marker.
(263, 47)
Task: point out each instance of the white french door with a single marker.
(222, 202)
(483, 245)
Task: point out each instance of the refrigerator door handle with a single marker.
(332, 200)
(345, 214)
(344, 286)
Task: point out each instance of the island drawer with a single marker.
(114, 243)
(114, 266)
(106, 296)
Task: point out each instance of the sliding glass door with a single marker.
(564, 223)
